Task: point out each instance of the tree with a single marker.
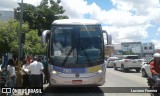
(40, 17)
(33, 43)
(28, 14)
(9, 38)
(128, 53)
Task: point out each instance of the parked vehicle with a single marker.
(128, 62)
(110, 61)
(146, 68)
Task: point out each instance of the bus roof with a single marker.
(75, 22)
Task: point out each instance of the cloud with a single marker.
(75, 8)
(158, 31)
(8, 4)
(113, 17)
(139, 6)
(11, 4)
(124, 34)
(33, 2)
(157, 43)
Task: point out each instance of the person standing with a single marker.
(26, 80)
(45, 71)
(11, 73)
(29, 60)
(35, 69)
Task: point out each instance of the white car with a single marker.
(128, 62)
(110, 61)
(146, 68)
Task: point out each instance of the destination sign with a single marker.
(87, 29)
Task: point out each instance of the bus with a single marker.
(75, 53)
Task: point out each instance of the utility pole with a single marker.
(19, 80)
(20, 31)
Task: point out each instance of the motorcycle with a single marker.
(151, 84)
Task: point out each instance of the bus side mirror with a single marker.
(105, 34)
(108, 37)
(45, 36)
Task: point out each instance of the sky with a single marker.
(125, 20)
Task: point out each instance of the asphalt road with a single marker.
(117, 83)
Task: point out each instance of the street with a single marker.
(115, 80)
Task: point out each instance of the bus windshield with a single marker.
(77, 45)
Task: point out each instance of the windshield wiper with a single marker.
(66, 58)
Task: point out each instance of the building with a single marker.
(148, 49)
(6, 15)
(132, 48)
(109, 50)
(117, 49)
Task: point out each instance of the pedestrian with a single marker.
(15, 61)
(45, 71)
(42, 74)
(35, 69)
(29, 59)
(11, 73)
(26, 81)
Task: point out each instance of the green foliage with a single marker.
(36, 18)
(33, 43)
(128, 53)
(41, 17)
(28, 14)
(9, 38)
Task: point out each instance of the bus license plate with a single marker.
(134, 61)
(76, 81)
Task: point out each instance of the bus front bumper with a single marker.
(96, 80)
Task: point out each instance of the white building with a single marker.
(148, 49)
(117, 49)
(135, 47)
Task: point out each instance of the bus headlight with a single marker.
(99, 71)
(55, 72)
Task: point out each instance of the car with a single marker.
(110, 61)
(128, 62)
(146, 68)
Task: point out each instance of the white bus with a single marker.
(75, 53)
